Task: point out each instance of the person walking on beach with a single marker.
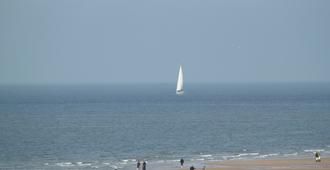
(144, 165)
(181, 162)
(138, 165)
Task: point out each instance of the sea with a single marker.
(114, 126)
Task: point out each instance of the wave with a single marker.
(248, 154)
(200, 159)
(83, 164)
(127, 161)
(269, 155)
(240, 155)
(314, 150)
(65, 164)
(291, 154)
(206, 156)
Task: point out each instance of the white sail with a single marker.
(179, 86)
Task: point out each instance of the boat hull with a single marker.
(179, 92)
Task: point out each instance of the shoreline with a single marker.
(268, 164)
(292, 163)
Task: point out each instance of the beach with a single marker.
(275, 164)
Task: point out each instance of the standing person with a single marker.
(138, 165)
(192, 168)
(317, 157)
(144, 165)
(181, 162)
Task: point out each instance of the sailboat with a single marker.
(179, 86)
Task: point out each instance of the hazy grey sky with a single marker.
(121, 41)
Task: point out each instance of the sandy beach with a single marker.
(283, 164)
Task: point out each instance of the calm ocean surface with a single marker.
(89, 127)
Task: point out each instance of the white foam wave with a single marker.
(64, 164)
(229, 157)
(206, 156)
(83, 164)
(273, 154)
(248, 154)
(314, 150)
(291, 154)
(124, 162)
(240, 156)
(173, 160)
(268, 155)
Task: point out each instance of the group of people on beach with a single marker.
(138, 165)
(144, 165)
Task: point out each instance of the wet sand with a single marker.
(283, 164)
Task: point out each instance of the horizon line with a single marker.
(145, 83)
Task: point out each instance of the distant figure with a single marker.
(144, 165)
(192, 168)
(138, 165)
(317, 157)
(181, 162)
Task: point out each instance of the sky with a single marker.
(129, 41)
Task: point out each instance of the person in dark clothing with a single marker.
(138, 165)
(181, 162)
(192, 168)
(144, 165)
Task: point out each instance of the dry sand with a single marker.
(283, 164)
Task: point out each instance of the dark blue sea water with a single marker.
(89, 127)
